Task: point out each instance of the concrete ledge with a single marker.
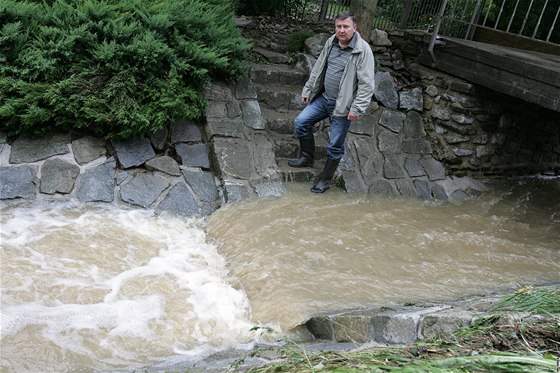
(399, 325)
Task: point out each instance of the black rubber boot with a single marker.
(326, 177)
(306, 154)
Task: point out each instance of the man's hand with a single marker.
(305, 100)
(351, 116)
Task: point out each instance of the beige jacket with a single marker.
(357, 83)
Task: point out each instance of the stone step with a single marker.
(287, 146)
(272, 56)
(280, 121)
(279, 97)
(400, 325)
(277, 74)
(296, 175)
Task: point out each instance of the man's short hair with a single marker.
(343, 15)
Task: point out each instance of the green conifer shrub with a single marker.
(112, 68)
(296, 41)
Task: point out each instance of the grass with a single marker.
(542, 301)
(520, 334)
(392, 362)
(335, 8)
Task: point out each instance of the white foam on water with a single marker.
(112, 286)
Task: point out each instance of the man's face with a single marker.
(345, 29)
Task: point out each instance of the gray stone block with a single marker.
(264, 158)
(389, 142)
(379, 38)
(185, 131)
(244, 89)
(417, 146)
(234, 158)
(365, 124)
(87, 149)
(164, 164)
(460, 152)
(180, 200)
(269, 189)
(443, 323)
(202, 184)
(413, 168)
(353, 182)
(463, 119)
(440, 111)
(394, 328)
(414, 125)
(219, 128)
(252, 115)
(34, 150)
(193, 155)
(134, 152)
(368, 157)
(277, 98)
(406, 187)
(218, 92)
(321, 327)
(385, 91)
(351, 327)
(216, 109)
(439, 193)
(233, 109)
(272, 74)
(159, 139)
(392, 120)
(412, 99)
(315, 43)
(434, 168)
(143, 189)
(456, 139)
(274, 57)
(423, 189)
(280, 122)
(235, 192)
(122, 176)
(97, 184)
(392, 167)
(17, 182)
(381, 186)
(58, 176)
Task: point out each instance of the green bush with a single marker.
(296, 41)
(112, 68)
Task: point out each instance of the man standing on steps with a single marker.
(340, 88)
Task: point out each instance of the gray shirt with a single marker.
(336, 62)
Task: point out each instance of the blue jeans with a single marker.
(317, 110)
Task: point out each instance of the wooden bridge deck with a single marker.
(530, 76)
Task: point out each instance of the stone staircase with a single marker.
(278, 88)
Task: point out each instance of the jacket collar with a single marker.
(354, 43)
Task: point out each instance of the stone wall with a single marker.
(430, 135)
(168, 171)
(188, 169)
(426, 134)
(472, 130)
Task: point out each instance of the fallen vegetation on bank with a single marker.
(520, 334)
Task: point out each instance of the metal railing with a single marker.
(536, 19)
(330, 8)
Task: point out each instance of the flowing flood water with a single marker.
(91, 288)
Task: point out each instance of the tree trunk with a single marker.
(364, 10)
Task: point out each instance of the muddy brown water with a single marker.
(100, 288)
